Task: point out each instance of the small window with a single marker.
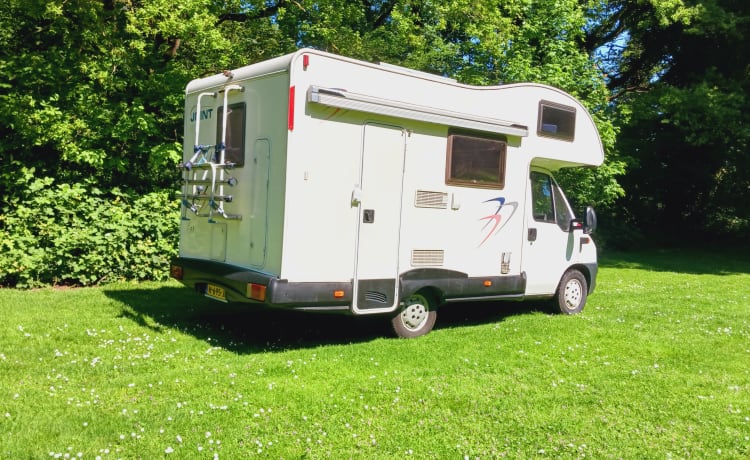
(556, 120)
(475, 161)
(235, 148)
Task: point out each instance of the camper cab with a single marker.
(317, 182)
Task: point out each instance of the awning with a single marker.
(343, 99)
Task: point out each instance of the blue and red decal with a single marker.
(499, 219)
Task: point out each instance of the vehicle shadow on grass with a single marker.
(245, 329)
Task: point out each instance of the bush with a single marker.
(78, 235)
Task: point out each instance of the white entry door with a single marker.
(380, 196)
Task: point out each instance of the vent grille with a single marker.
(427, 199)
(375, 296)
(427, 257)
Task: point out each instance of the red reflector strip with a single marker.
(256, 292)
(305, 61)
(291, 109)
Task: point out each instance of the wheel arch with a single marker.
(589, 271)
(431, 282)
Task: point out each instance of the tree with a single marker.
(678, 72)
(91, 98)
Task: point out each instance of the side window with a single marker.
(475, 161)
(549, 202)
(541, 197)
(556, 120)
(235, 148)
(563, 214)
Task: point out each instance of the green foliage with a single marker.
(686, 132)
(76, 234)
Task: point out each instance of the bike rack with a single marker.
(204, 172)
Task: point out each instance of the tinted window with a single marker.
(556, 120)
(475, 161)
(235, 148)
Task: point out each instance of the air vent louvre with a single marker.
(427, 257)
(427, 199)
(374, 296)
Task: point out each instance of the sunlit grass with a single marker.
(655, 367)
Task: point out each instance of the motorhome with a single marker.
(321, 183)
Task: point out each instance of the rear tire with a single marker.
(416, 317)
(571, 293)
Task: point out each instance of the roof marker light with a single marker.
(305, 61)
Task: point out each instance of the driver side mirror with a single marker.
(589, 220)
(588, 224)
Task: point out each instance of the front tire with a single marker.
(571, 293)
(416, 317)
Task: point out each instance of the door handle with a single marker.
(532, 234)
(356, 196)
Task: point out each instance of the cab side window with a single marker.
(548, 201)
(541, 196)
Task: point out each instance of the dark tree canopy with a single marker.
(679, 76)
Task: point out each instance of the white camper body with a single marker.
(318, 182)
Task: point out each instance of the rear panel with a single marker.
(240, 223)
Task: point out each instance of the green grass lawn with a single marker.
(657, 366)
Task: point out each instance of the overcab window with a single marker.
(235, 148)
(475, 161)
(557, 120)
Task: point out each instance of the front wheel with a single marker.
(417, 317)
(571, 294)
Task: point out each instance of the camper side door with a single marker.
(548, 245)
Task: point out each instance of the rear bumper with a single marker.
(279, 293)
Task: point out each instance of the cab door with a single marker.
(548, 243)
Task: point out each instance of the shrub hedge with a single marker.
(63, 234)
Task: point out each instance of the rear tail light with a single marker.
(256, 292)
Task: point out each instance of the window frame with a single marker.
(566, 134)
(451, 154)
(219, 120)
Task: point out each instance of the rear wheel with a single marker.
(571, 294)
(416, 317)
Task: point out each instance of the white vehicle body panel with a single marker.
(344, 186)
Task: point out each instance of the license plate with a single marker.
(216, 292)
